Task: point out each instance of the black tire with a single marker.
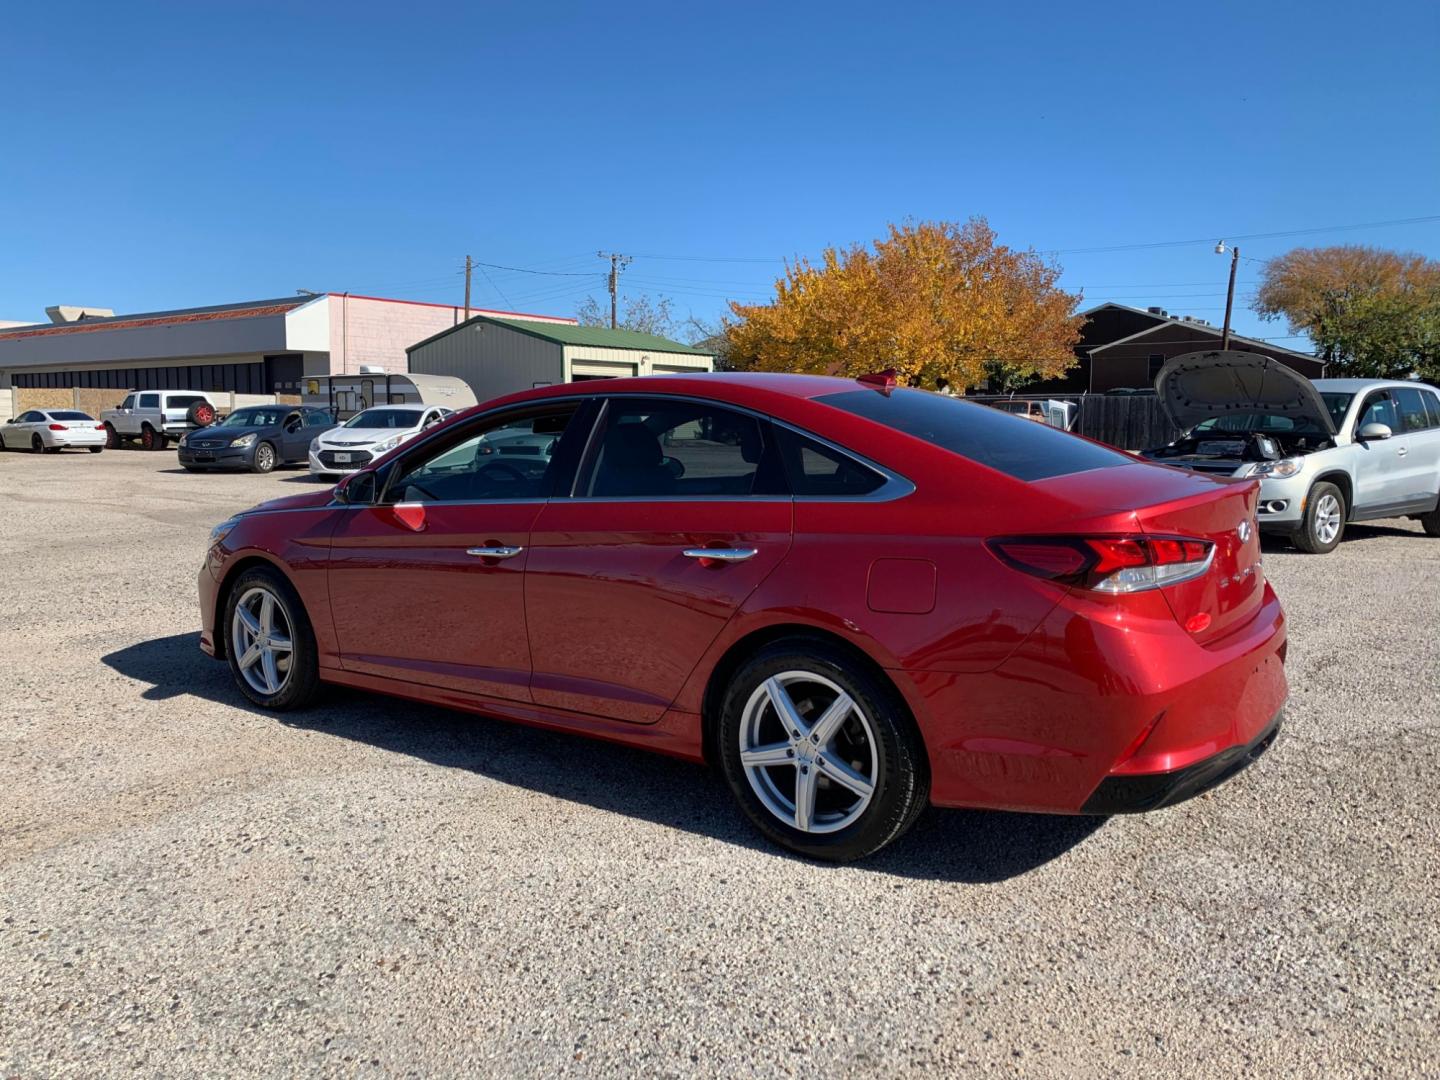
(265, 458)
(192, 468)
(3, 447)
(302, 677)
(894, 757)
(112, 438)
(1431, 522)
(1322, 504)
(96, 449)
(37, 444)
(149, 439)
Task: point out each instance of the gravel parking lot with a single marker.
(190, 887)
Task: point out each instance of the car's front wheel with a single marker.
(1431, 522)
(271, 646)
(264, 460)
(1324, 521)
(820, 752)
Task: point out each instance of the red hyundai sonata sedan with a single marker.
(855, 599)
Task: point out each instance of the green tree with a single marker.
(1370, 312)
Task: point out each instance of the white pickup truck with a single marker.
(156, 416)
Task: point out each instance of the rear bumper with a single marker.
(1140, 792)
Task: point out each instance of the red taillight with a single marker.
(1114, 564)
(58, 427)
(99, 427)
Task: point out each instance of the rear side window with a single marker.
(1411, 406)
(149, 401)
(815, 469)
(182, 401)
(677, 450)
(1009, 444)
(1432, 402)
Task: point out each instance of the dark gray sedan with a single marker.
(257, 438)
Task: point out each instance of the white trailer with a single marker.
(346, 395)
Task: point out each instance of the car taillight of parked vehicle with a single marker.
(58, 427)
(1113, 564)
(99, 427)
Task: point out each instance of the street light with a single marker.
(1230, 293)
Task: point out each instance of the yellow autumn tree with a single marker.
(933, 300)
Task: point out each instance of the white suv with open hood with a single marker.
(1325, 452)
(368, 434)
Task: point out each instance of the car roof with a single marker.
(727, 385)
(1366, 384)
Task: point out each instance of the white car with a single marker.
(368, 434)
(49, 430)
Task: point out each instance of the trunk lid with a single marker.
(1205, 385)
(1163, 501)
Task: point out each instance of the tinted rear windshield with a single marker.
(1009, 444)
(70, 416)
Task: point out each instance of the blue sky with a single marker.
(161, 156)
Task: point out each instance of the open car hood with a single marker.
(1201, 385)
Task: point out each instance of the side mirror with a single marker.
(1375, 431)
(357, 489)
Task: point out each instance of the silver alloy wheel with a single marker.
(261, 638)
(1327, 518)
(264, 457)
(809, 752)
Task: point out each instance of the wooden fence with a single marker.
(1127, 421)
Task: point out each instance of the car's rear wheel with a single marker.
(1431, 522)
(148, 439)
(96, 449)
(820, 752)
(271, 646)
(264, 458)
(1324, 522)
(37, 444)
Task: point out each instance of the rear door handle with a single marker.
(494, 552)
(721, 555)
(1402, 451)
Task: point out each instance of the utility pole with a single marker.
(1229, 293)
(617, 263)
(469, 265)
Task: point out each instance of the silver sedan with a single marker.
(51, 430)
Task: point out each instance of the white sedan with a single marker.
(368, 434)
(49, 430)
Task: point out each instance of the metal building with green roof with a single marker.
(499, 356)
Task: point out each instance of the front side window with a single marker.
(129, 402)
(504, 459)
(319, 418)
(1379, 409)
(1009, 444)
(1411, 407)
(31, 417)
(675, 449)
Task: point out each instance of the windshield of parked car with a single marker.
(254, 418)
(70, 416)
(1337, 404)
(1002, 441)
(385, 418)
(1258, 423)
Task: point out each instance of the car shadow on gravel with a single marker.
(967, 846)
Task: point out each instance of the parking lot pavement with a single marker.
(191, 887)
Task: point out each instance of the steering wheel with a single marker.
(509, 470)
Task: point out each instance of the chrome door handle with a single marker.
(722, 554)
(494, 552)
(1402, 451)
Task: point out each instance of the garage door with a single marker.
(581, 370)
